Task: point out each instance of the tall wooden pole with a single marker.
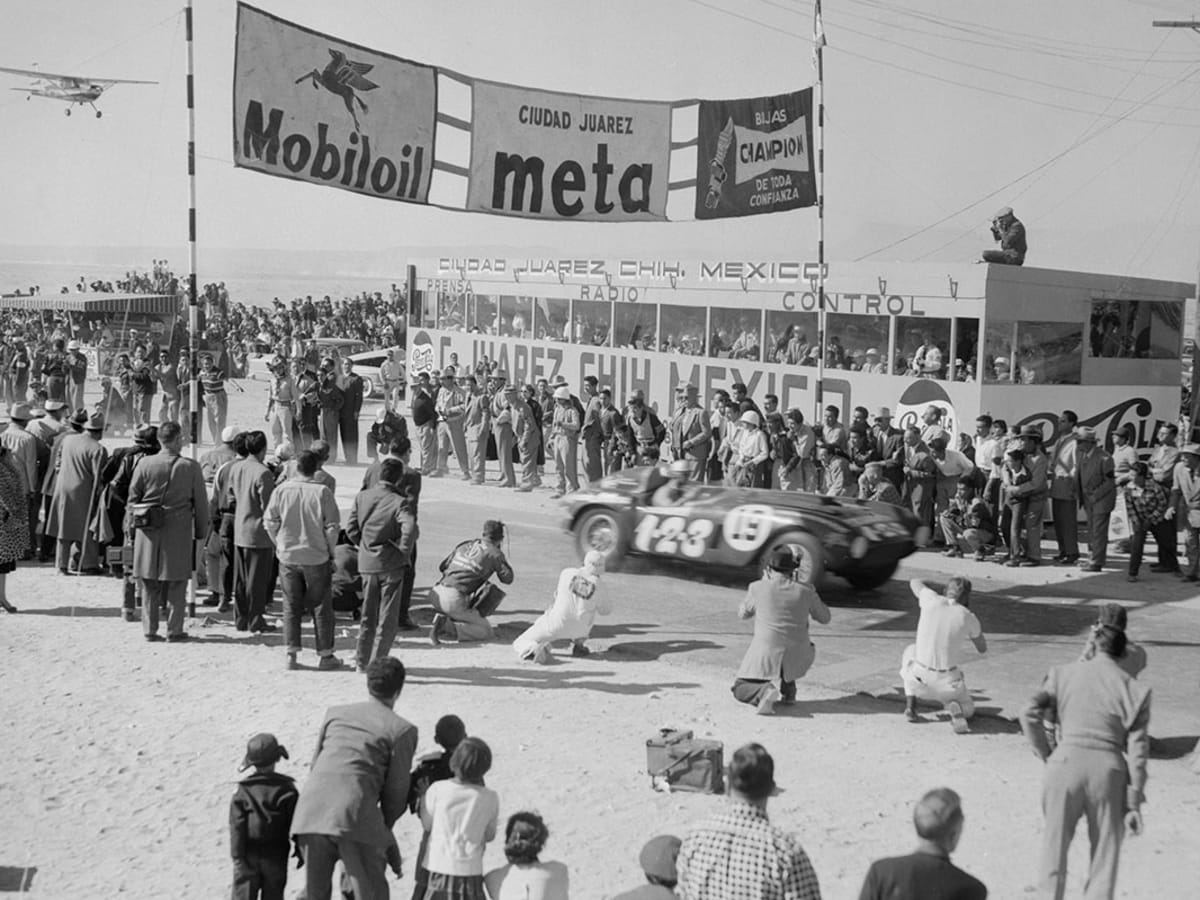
(819, 61)
(193, 311)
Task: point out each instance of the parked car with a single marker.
(367, 365)
(860, 540)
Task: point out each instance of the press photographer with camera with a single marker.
(1008, 230)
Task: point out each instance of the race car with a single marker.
(713, 525)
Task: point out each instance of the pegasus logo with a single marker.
(343, 77)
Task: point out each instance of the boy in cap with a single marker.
(657, 860)
(260, 821)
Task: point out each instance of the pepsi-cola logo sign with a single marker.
(420, 354)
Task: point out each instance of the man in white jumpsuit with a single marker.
(929, 667)
(577, 600)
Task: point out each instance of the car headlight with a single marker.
(922, 536)
(859, 547)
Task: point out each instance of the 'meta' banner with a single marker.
(562, 156)
(754, 156)
(310, 107)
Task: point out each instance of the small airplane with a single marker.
(74, 90)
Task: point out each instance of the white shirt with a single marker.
(954, 465)
(943, 629)
(539, 881)
(460, 819)
(985, 453)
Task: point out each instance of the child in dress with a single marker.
(526, 877)
(461, 816)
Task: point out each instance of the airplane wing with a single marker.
(70, 79)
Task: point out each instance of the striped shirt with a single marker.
(212, 380)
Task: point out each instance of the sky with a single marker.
(1077, 113)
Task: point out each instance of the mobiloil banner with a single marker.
(542, 154)
(314, 108)
(755, 156)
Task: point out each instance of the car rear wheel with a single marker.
(865, 579)
(601, 529)
(368, 386)
(810, 557)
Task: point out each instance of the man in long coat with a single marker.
(76, 498)
(250, 485)
(352, 400)
(477, 421)
(1097, 490)
(163, 557)
(781, 607)
(689, 432)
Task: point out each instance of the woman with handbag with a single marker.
(749, 450)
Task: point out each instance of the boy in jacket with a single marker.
(260, 821)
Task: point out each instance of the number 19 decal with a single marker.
(673, 534)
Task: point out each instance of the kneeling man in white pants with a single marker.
(929, 668)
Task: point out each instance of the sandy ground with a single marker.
(121, 756)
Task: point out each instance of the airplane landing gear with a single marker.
(67, 110)
(98, 114)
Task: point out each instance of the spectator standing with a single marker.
(357, 788)
(77, 369)
(391, 375)
(303, 521)
(1146, 503)
(1124, 455)
(952, 467)
(352, 387)
(250, 486)
(308, 403)
(929, 667)
(23, 450)
(1033, 495)
(477, 422)
(927, 873)
(409, 487)
(448, 733)
(216, 402)
(590, 433)
(451, 406)
(781, 607)
(738, 852)
(1163, 460)
(260, 823)
(564, 434)
(920, 476)
(14, 524)
(749, 449)
(424, 415)
(834, 432)
(688, 431)
(281, 402)
(1185, 502)
(384, 527)
(1064, 489)
(164, 554)
(527, 431)
(461, 816)
(1101, 716)
(81, 459)
(504, 421)
(330, 400)
(657, 860)
(1097, 491)
(526, 877)
(889, 447)
(799, 471)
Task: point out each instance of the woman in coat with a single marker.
(14, 522)
(781, 607)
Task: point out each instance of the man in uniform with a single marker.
(1008, 230)
(564, 435)
(929, 667)
(688, 432)
(218, 574)
(352, 400)
(281, 402)
(216, 403)
(77, 498)
(1064, 489)
(527, 431)
(590, 433)
(1097, 491)
(250, 487)
(477, 420)
(163, 556)
(424, 416)
(464, 595)
(384, 527)
(504, 418)
(451, 406)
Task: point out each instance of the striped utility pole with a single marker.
(193, 310)
(819, 64)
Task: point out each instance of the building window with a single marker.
(857, 343)
(682, 330)
(593, 322)
(922, 347)
(736, 333)
(1135, 329)
(791, 336)
(551, 318)
(635, 326)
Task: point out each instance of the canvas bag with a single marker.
(676, 761)
(151, 516)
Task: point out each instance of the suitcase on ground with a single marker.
(677, 761)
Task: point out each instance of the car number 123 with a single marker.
(670, 535)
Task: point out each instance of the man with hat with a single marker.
(23, 448)
(76, 500)
(260, 822)
(503, 421)
(527, 431)
(308, 403)
(1033, 497)
(657, 860)
(353, 390)
(281, 401)
(54, 370)
(590, 433)
(477, 424)
(390, 374)
(330, 400)
(1010, 233)
(1064, 488)
(450, 407)
(1097, 490)
(19, 369)
(688, 434)
(117, 476)
(1185, 504)
(927, 872)
(564, 439)
(1164, 460)
(218, 565)
(164, 553)
(872, 365)
(781, 606)
(1001, 370)
(77, 368)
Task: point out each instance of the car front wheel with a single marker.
(368, 386)
(601, 529)
(810, 557)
